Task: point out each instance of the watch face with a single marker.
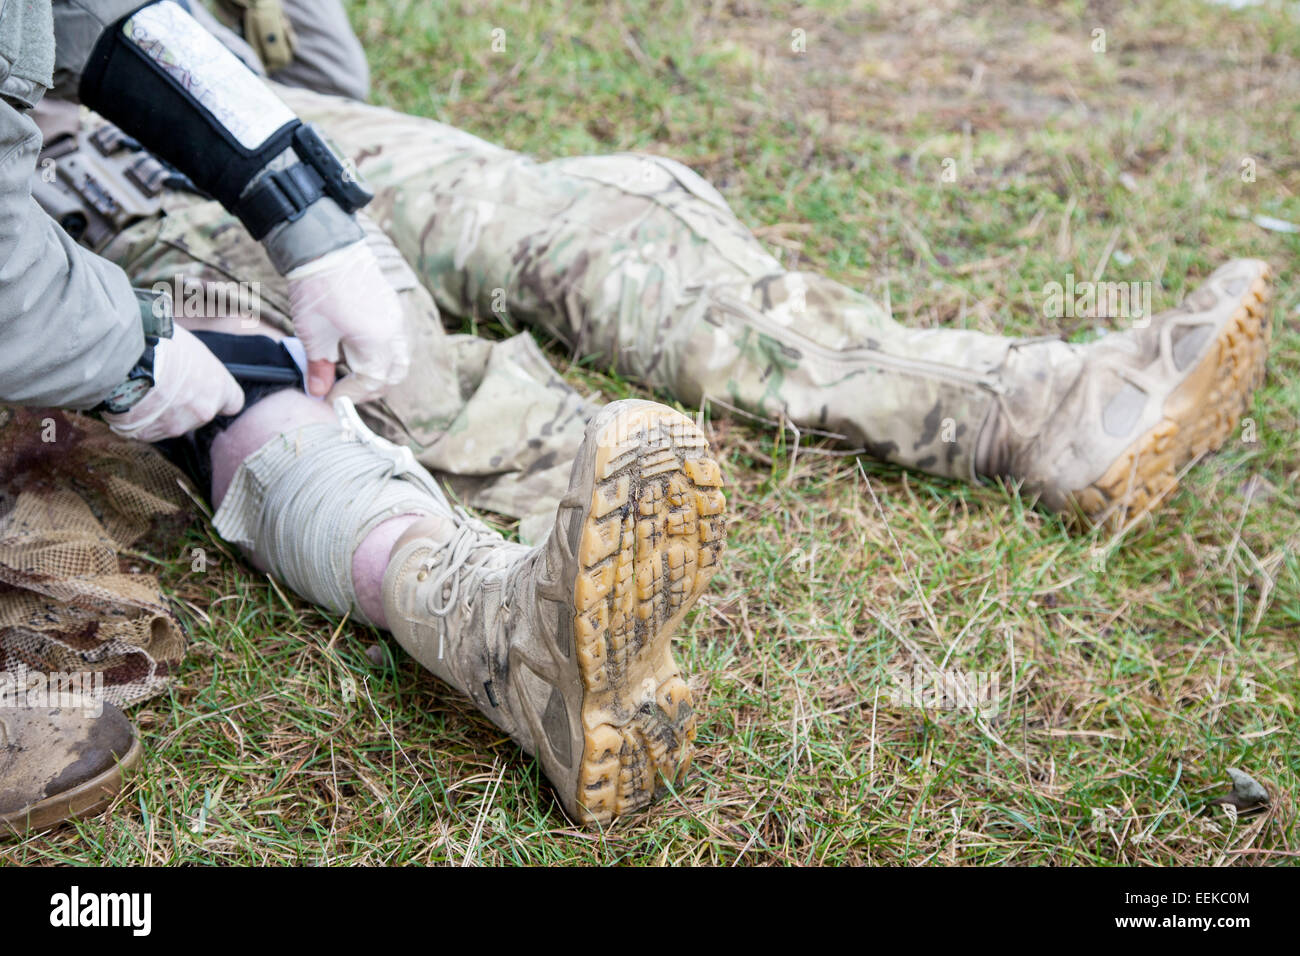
(126, 395)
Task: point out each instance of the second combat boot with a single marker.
(1105, 430)
(567, 646)
(61, 763)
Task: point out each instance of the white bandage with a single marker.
(305, 500)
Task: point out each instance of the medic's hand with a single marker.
(344, 298)
(191, 387)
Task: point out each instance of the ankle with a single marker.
(370, 562)
(434, 527)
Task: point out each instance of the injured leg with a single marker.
(312, 496)
(566, 646)
(280, 417)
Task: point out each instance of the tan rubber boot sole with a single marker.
(649, 543)
(85, 800)
(1199, 416)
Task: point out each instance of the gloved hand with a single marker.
(191, 387)
(344, 297)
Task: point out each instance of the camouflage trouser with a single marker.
(492, 419)
(638, 261)
(634, 259)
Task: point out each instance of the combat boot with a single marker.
(567, 646)
(1105, 430)
(61, 763)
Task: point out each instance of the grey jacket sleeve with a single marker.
(70, 327)
(329, 57)
(77, 28)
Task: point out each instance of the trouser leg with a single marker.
(639, 262)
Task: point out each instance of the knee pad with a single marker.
(304, 501)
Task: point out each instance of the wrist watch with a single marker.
(156, 320)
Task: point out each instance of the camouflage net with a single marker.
(73, 498)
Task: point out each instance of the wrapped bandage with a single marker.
(304, 501)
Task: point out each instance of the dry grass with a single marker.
(1127, 675)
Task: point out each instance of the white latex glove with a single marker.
(344, 297)
(191, 387)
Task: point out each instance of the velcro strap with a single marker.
(281, 196)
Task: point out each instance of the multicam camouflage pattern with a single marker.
(633, 259)
(638, 261)
(492, 419)
(75, 502)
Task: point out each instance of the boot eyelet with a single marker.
(420, 576)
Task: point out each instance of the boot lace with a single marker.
(460, 568)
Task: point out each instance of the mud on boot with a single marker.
(60, 763)
(568, 646)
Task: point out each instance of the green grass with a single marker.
(1129, 674)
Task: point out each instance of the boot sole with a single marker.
(649, 542)
(1198, 417)
(84, 800)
